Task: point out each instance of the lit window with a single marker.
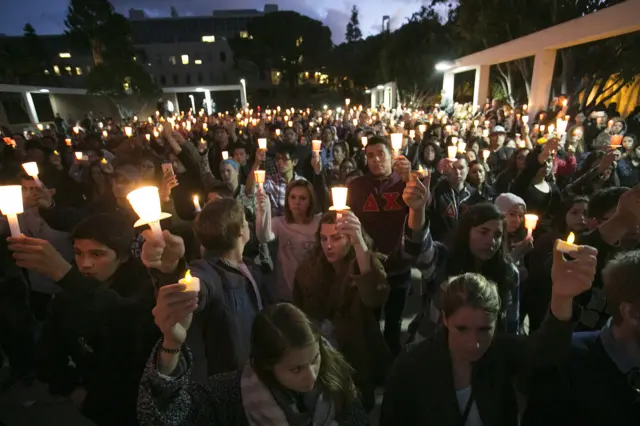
(244, 34)
(135, 59)
(198, 62)
(126, 86)
(64, 55)
(46, 72)
(68, 70)
(56, 69)
(78, 70)
(208, 39)
(275, 77)
(172, 60)
(299, 41)
(185, 59)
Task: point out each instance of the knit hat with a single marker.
(505, 202)
(232, 163)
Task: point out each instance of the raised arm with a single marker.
(264, 230)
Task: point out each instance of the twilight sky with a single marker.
(47, 16)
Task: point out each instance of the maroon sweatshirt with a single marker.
(379, 206)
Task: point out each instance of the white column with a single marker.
(448, 80)
(207, 96)
(243, 93)
(31, 108)
(481, 85)
(373, 98)
(541, 80)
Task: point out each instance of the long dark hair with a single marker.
(499, 268)
(281, 327)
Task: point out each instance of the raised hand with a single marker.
(416, 194)
(164, 254)
(572, 277)
(402, 166)
(349, 224)
(173, 313)
(38, 255)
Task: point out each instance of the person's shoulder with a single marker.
(584, 340)
(360, 181)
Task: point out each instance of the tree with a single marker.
(117, 73)
(174, 12)
(285, 41)
(353, 27)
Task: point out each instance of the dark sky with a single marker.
(47, 16)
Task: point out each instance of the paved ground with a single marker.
(34, 406)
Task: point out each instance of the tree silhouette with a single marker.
(353, 27)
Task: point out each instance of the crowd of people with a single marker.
(275, 292)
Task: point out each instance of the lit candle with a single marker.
(225, 155)
(262, 143)
(191, 283)
(454, 140)
(485, 154)
(40, 127)
(355, 122)
(347, 101)
(615, 140)
(55, 152)
(422, 128)
(32, 170)
(525, 119)
(486, 124)
(11, 206)
(78, 155)
(259, 176)
(567, 246)
(396, 143)
(530, 222)
(412, 134)
(205, 127)
(146, 203)
(364, 141)
(105, 134)
(561, 125)
(104, 161)
(462, 146)
(542, 127)
(475, 123)
(316, 146)
(451, 152)
(339, 197)
(67, 141)
(196, 203)
(156, 134)
(485, 133)
(148, 137)
(290, 123)
(157, 113)
(76, 130)
(525, 107)
(277, 132)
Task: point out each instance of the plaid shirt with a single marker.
(276, 188)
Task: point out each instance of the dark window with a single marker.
(163, 80)
(175, 79)
(210, 57)
(159, 59)
(188, 78)
(200, 77)
(223, 57)
(212, 77)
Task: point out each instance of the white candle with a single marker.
(485, 154)
(277, 132)
(32, 170)
(396, 143)
(568, 246)
(422, 128)
(339, 197)
(364, 141)
(259, 176)
(530, 222)
(412, 134)
(148, 137)
(462, 146)
(316, 145)
(191, 283)
(347, 101)
(262, 143)
(196, 203)
(128, 131)
(225, 155)
(525, 119)
(78, 155)
(146, 203)
(451, 152)
(11, 206)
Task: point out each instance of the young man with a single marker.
(101, 319)
(275, 186)
(449, 196)
(600, 383)
(231, 288)
(377, 199)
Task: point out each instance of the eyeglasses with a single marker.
(633, 377)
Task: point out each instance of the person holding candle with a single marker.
(445, 379)
(295, 377)
(450, 197)
(378, 200)
(246, 195)
(597, 171)
(618, 128)
(429, 157)
(500, 153)
(294, 232)
(338, 286)
(104, 306)
(232, 289)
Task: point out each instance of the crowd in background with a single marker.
(285, 327)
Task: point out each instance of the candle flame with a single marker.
(571, 238)
(187, 276)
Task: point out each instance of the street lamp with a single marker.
(444, 66)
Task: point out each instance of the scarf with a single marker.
(264, 407)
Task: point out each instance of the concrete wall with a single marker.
(75, 107)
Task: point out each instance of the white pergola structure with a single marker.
(384, 94)
(620, 19)
(242, 88)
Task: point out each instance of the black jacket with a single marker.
(421, 391)
(447, 207)
(108, 332)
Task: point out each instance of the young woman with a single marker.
(465, 374)
(295, 232)
(478, 246)
(477, 178)
(429, 157)
(629, 166)
(339, 286)
(516, 165)
(514, 209)
(294, 378)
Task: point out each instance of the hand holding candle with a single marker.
(146, 203)
(259, 176)
(196, 203)
(191, 283)
(32, 170)
(11, 205)
(316, 146)
(568, 246)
